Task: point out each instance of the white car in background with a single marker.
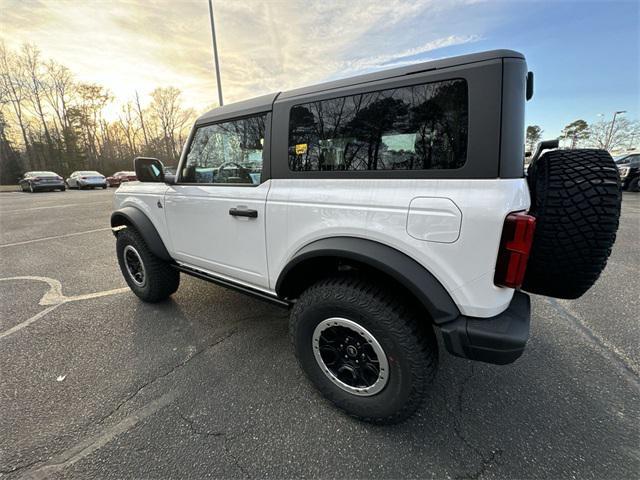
(86, 179)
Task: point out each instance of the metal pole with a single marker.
(615, 114)
(215, 53)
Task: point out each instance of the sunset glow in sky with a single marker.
(585, 54)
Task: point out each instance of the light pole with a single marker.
(215, 53)
(613, 122)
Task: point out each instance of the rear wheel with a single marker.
(633, 185)
(575, 197)
(151, 278)
(364, 348)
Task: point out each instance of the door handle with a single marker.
(243, 212)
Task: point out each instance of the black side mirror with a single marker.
(148, 169)
(529, 85)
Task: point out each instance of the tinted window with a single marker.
(420, 127)
(229, 152)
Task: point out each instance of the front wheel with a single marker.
(364, 348)
(151, 278)
(634, 185)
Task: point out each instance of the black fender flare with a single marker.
(402, 268)
(136, 218)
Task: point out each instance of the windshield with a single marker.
(627, 159)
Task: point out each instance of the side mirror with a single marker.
(148, 169)
(529, 85)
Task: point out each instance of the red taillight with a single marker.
(515, 245)
(83, 178)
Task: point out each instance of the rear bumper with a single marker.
(92, 184)
(500, 339)
(48, 186)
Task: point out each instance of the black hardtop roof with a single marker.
(265, 102)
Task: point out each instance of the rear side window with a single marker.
(420, 127)
(229, 152)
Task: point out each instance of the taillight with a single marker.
(83, 178)
(36, 179)
(515, 245)
(59, 177)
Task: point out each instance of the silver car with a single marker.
(86, 179)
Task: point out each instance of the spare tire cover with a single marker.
(575, 197)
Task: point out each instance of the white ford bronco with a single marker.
(381, 209)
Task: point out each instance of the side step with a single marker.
(233, 285)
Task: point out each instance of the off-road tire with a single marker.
(406, 338)
(575, 197)
(162, 280)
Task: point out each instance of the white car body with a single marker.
(198, 232)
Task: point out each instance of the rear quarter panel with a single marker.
(302, 211)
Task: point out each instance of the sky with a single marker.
(585, 54)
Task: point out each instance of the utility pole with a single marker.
(215, 53)
(615, 114)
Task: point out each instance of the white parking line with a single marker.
(54, 298)
(54, 237)
(91, 444)
(21, 210)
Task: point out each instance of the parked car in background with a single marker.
(41, 180)
(629, 169)
(117, 178)
(86, 179)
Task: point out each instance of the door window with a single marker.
(229, 152)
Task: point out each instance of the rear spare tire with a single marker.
(575, 197)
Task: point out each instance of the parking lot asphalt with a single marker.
(96, 384)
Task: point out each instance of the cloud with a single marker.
(265, 46)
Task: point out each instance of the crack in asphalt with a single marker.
(192, 424)
(610, 352)
(194, 428)
(168, 372)
(485, 460)
(209, 346)
(19, 468)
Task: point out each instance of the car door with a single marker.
(216, 210)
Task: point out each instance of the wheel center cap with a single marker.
(352, 351)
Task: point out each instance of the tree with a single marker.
(620, 136)
(12, 82)
(171, 117)
(10, 165)
(50, 121)
(534, 135)
(575, 132)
